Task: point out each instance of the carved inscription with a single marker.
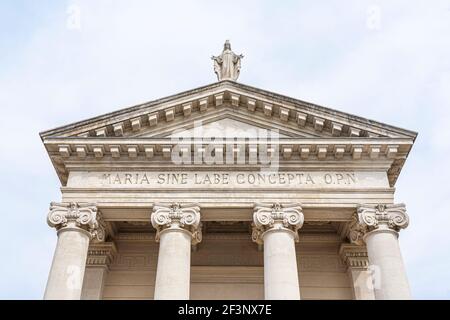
(228, 179)
(208, 178)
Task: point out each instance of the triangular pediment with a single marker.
(224, 128)
(226, 109)
(227, 99)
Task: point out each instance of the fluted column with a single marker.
(378, 227)
(276, 226)
(76, 225)
(177, 228)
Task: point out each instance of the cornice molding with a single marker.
(160, 149)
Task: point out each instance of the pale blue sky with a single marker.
(384, 60)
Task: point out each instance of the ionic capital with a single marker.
(276, 216)
(83, 216)
(177, 216)
(370, 218)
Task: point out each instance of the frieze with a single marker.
(228, 179)
(308, 237)
(306, 263)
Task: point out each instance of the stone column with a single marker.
(177, 228)
(76, 225)
(378, 227)
(359, 272)
(100, 256)
(276, 226)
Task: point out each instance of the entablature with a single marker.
(71, 153)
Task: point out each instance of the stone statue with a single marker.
(228, 65)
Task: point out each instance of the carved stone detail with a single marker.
(276, 216)
(77, 215)
(177, 216)
(377, 217)
(101, 254)
(356, 231)
(354, 256)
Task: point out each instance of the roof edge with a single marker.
(276, 96)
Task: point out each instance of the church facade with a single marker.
(227, 192)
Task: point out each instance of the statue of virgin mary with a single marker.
(228, 65)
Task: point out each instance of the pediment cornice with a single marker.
(314, 120)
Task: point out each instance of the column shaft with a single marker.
(177, 228)
(359, 271)
(76, 225)
(100, 256)
(93, 283)
(362, 284)
(65, 280)
(174, 265)
(276, 226)
(280, 266)
(384, 255)
(378, 226)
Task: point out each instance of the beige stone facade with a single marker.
(299, 205)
